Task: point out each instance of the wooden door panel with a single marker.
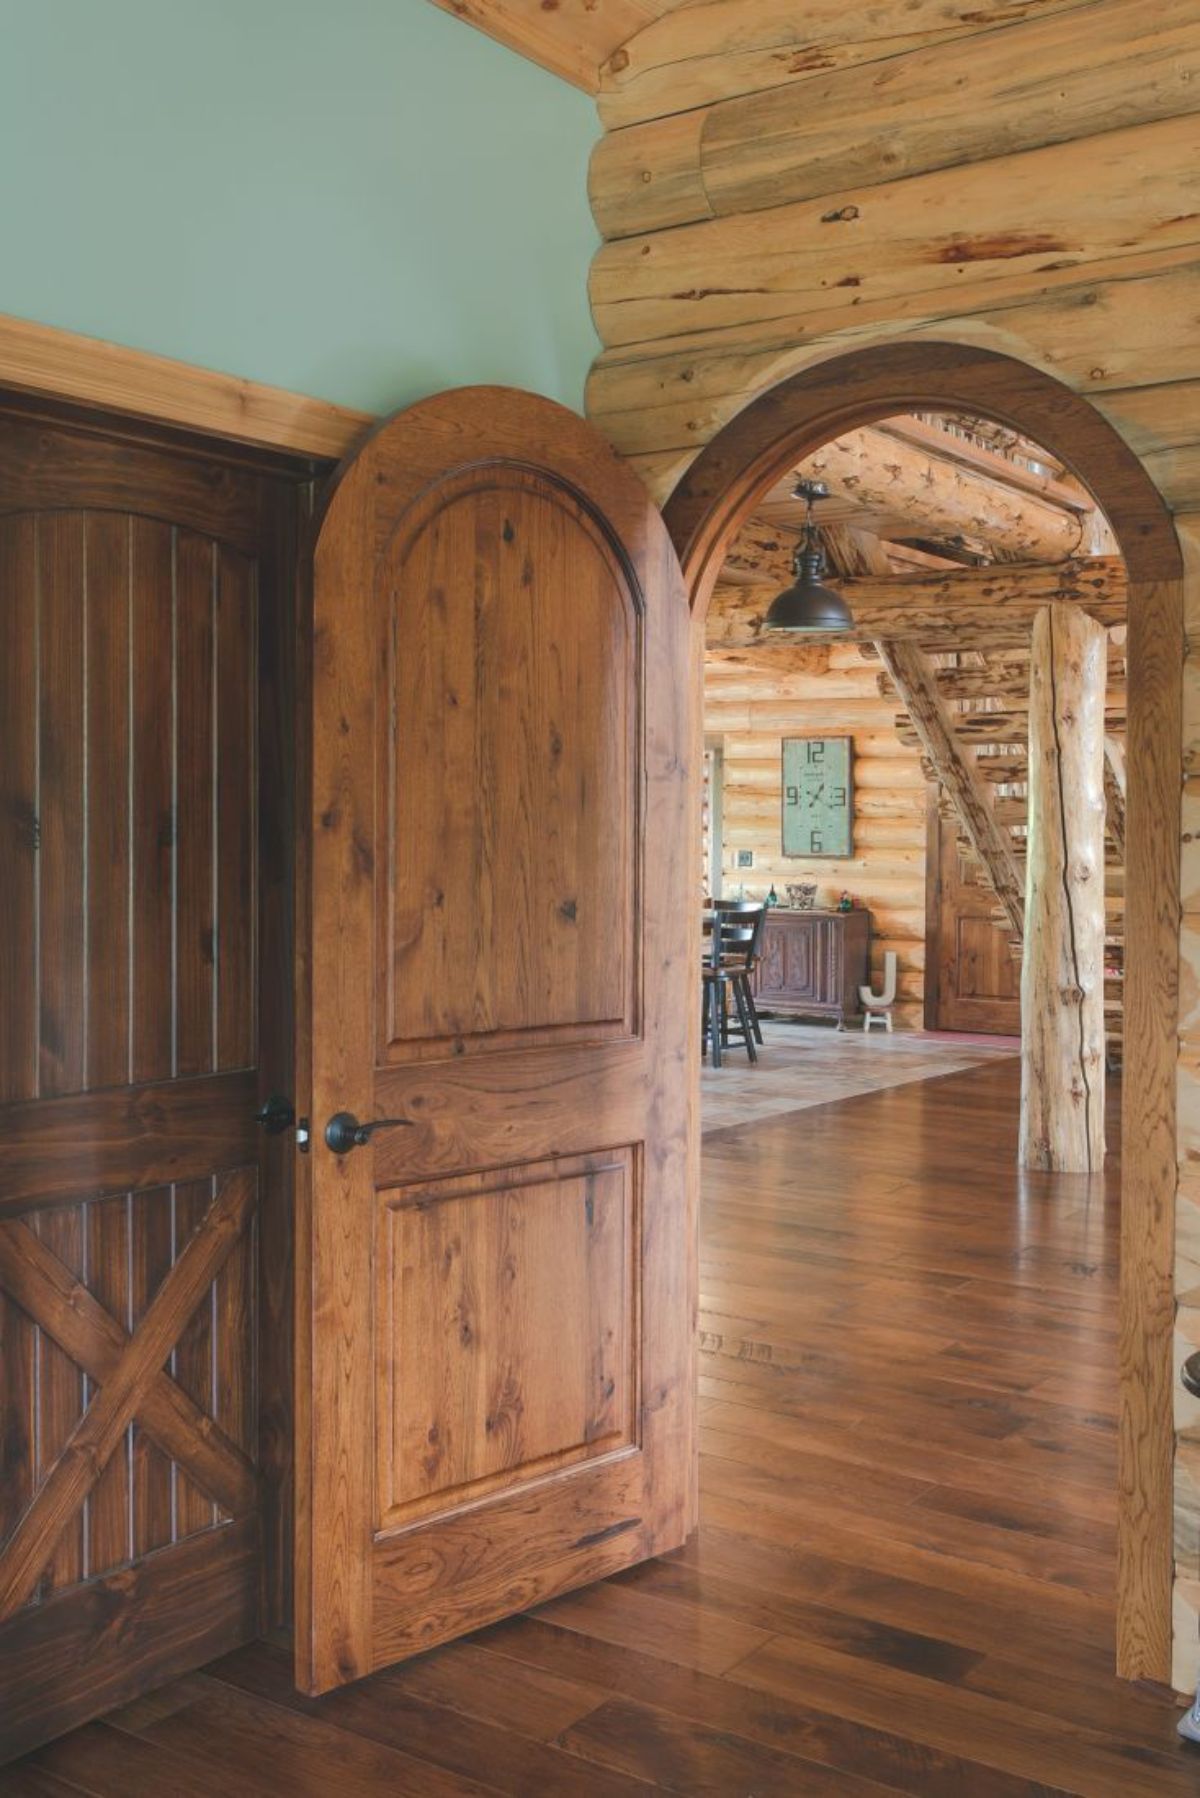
(131, 873)
(509, 908)
(526, 1278)
(497, 1303)
(984, 964)
(105, 826)
(974, 979)
(84, 1513)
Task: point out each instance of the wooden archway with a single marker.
(719, 491)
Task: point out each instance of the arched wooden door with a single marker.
(496, 1286)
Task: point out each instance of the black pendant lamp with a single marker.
(808, 605)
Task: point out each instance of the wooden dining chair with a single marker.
(732, 936)
(750, 911)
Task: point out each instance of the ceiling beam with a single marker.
(906, 489)
(963, 608)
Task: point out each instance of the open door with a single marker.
(496, 1283)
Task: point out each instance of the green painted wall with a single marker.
(362, 200)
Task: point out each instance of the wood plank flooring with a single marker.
(903, 1578)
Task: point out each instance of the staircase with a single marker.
(988, 693)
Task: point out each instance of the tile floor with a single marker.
(810, 1064)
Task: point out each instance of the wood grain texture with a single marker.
(542, 952)
(62, 1660)
(93, 1338)
(905, 241)
(1149, 1110)
(903, 1576)
(125, 1136)
(43, 360)
(566, 734)
(960, 100)
(1062, 968)
(572, 38)
(530, 1282)
(1121, 324)
(969, 608)
(134, 570)
(90, 1443)
(698, 54)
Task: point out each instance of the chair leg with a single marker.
(747, 1033)
(751, 1007)
(714, 1021)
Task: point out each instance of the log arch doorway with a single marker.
(711, 502)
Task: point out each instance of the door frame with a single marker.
(717, 493)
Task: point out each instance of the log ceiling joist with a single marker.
(908, 479)
(965, 608)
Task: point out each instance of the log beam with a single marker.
(979, 604)
(954, 767)
(910, 489)
(1062, 969)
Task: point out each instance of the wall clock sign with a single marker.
(818, 796)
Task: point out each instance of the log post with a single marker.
(1062, 972)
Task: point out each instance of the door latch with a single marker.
(343, 1132)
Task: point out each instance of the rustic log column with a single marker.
(1062, 973)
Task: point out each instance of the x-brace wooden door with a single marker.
(496, 1300)
(140, 583)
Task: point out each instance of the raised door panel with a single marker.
(498, 1298)
(528, 1280)
(510, 899)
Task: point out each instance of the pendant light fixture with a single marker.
(808, 605)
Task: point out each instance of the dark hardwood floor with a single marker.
(903, 1579)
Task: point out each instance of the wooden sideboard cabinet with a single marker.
(813, 963)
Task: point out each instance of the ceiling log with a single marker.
(1000, 603)
(929, 494)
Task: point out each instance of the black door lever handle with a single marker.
(343, 1132)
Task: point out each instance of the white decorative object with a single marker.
(877, 1007)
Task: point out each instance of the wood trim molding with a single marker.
(712, 502)
(55, 364)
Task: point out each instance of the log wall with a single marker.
(750, 706)
(780, 184)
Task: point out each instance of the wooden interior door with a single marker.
(972, 976)
(142, 598)
(497, 1289)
